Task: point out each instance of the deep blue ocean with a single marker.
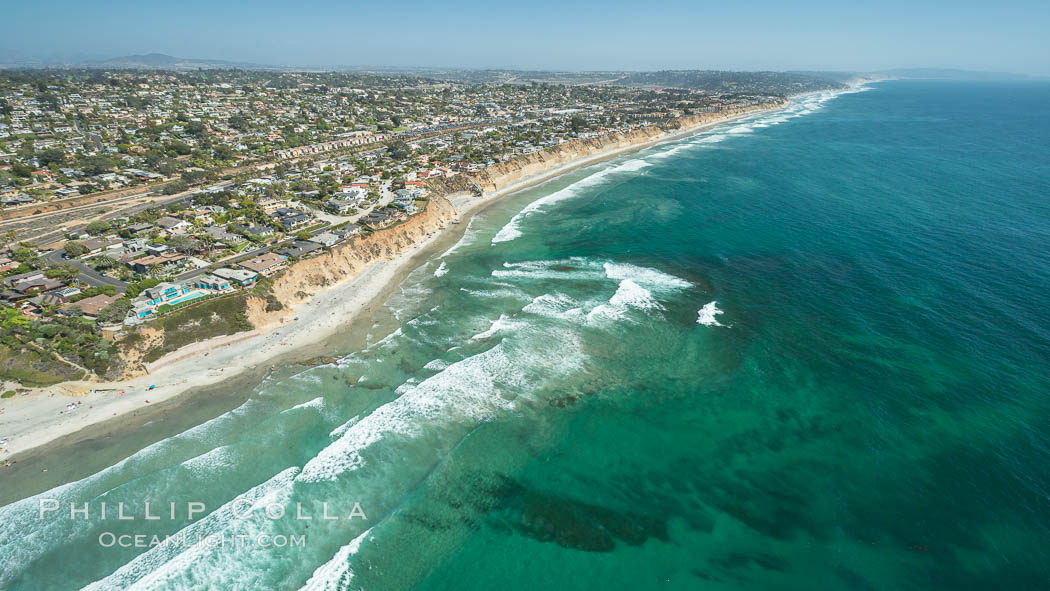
(807, 350)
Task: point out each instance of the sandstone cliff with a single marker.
(494, 178)
(300, 281)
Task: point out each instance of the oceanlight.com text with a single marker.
(183, 540)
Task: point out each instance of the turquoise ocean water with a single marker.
(808, 350)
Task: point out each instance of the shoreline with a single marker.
(40, 423)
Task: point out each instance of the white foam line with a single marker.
(500, 324)
(468, 236)
(511, 230)
(335, 574)
(804, 106)
(160, 564)
(20, 520)
(315, 403)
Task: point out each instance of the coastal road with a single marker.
(230, 261)
(87, 274)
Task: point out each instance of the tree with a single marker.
(26, 150)
(167, 167)
(94, 165)
(240, 123)
(196, 128)
(185, 244)
(63, 272)
(115, 312)
(194, 176)
(21, 170)
(105, 262)
(223, 152)
(27, 256)
(97, 227)
(134, 289)
(13, 320)
(399, 150)
(180, 148)
(176, 186)
(52, 156)
(75, 249)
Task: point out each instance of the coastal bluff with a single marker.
(271, 304)
(303, 279)
(521, 168)
(259, 311)
(188, 333)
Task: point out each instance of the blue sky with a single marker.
(1008, 35)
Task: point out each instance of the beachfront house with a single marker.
(264, 264)
(165, 293)
(299, 248)
(90, 307)
(347, 231)
(376, 219)
(327, 239)
(242, 277)
(151, 298)
(211, 282)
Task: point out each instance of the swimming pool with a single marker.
(185, 298)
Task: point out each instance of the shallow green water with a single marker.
(808, 350)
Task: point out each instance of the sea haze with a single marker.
(805, 350)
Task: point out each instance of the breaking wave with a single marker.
(707, 315)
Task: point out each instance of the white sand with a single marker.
(33, 420)
(41, 417)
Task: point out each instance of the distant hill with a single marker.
(784, 83)
(147, 61)
(165, 62)
(844, 77)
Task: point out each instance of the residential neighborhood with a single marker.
(129, 195)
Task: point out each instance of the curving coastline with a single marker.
(321, 297)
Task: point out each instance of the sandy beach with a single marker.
(65, 414)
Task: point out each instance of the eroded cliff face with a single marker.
(494, 178)
(132, 352)
(302, 280)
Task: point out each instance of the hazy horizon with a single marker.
(673, 34)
